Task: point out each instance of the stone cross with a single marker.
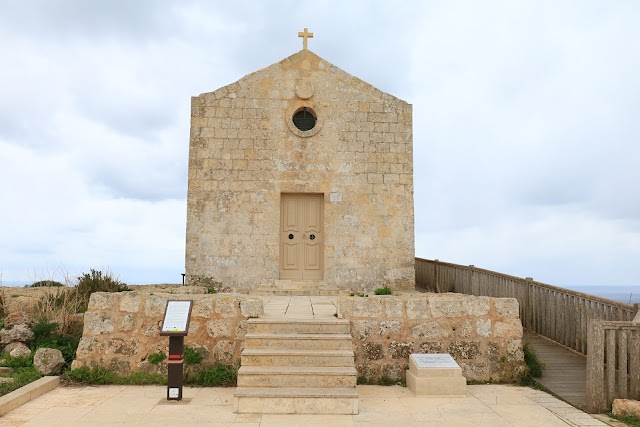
(305, 35)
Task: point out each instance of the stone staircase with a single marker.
(297, 366)
(296, 287)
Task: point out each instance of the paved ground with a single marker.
(485, 405)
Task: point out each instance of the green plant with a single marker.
(96, 281)
(383, 291)
(215, 375)
(192, 356)
(46, 283)
(45, 334)
(533, 369)
(211, 290)
(359, 294)
(627, 419)
(156, 358)
(21, 377)
(16, 362)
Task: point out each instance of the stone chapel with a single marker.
(302, 173)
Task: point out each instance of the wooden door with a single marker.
(301, 236)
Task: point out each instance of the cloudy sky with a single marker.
(526, 125)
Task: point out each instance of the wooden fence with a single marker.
(613, 363)
(559, 314)
(597, 327)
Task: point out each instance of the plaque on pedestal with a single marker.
(435, 375)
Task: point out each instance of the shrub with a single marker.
(46, 283)
(22, 376)
(192, 356)
(156, 358)
(215, 375)
(96, 281)
(45, 335)
(383, 291)
(17, 362)
(533, 369)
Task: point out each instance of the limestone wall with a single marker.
(245, 152)
(483, 334)
(121, 329)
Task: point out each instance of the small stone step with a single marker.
(297, 326)
(296, 376)
(289, 357)
(296, 401)
(298, 341)
(5, 370)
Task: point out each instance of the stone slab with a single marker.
(19, 397)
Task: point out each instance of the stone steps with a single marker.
(299, 341)
(292, 357)
(301, 326)
(293, 287)
(300, 376)
(302, 366)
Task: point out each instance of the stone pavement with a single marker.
(484, 405)
(298, 307)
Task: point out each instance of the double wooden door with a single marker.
(301, 237)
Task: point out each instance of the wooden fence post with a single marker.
(595, 368)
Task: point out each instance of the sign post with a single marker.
(175, 325)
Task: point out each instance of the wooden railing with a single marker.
(559, 314)
(598, 327)
(613, 363)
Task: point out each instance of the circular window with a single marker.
(304, 119)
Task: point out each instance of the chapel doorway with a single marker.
(301, 237)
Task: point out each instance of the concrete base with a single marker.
(435, 380)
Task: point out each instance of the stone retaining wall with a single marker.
(483, 334)
(122, 329)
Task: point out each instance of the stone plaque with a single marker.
(440, 360)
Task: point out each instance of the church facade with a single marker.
(300, 172)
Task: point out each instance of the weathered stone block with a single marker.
(361, 329)
(458, 305)
(155, 305)
(103, 300)
(508, 329)
(430, 347)
(626, 407)
(96, 323)
(390, 327)
(251, 308)
(393, 308)
(400, 350)
(219, 328)
(418, 308)
(130, 302)
(483, 327)
(373, 350)
(432, 330)
(224, 351)
(124, 347)
(202, 307)
(226, 306)
(353, 307)
(464, 349)
(507, 307)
